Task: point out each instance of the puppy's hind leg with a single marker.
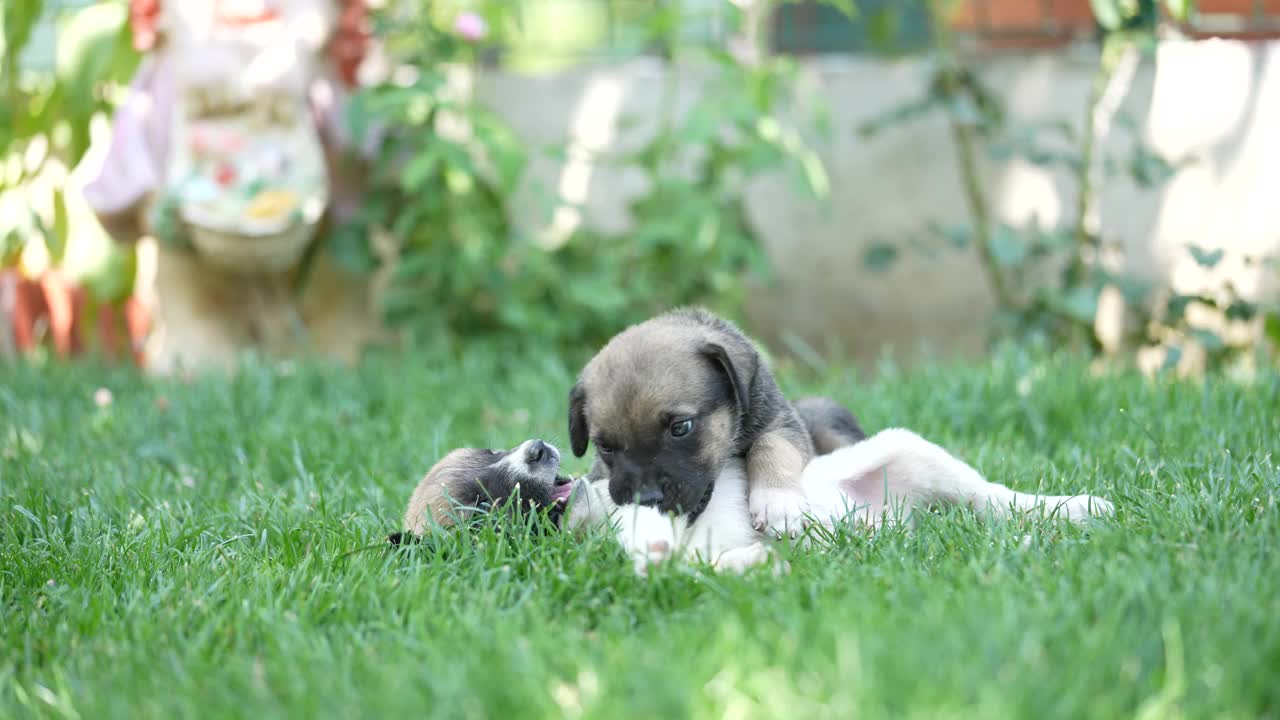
(1001, 502)
(831, 426)
(897, 470)
(885, 477)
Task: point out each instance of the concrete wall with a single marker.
(1216, 103)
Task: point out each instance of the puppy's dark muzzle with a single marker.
(632, 487)
(649, 496)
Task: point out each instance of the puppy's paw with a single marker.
(739, 560)
(647, 535)
(778, 512)
(1079, 508)
(654, 552)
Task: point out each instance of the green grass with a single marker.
(212, 558)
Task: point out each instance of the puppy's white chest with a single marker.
(724, 525)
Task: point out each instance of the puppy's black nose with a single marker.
(537, 452)
(649, 496)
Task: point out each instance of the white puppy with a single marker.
(872, 482)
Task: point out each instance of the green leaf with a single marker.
(421, 169)
(880, 256)
(20, 16)
(820, 119)
(1051, 158)
(921, 246)
(11, 245)
(1180, 10)
(884, 25)
(358, 116)
(1132, 17)
(113, 281)
(55, 243)
(1271, 327)
(846, 7)
(1002, 151)
(596, 291)
(1058, 238)
(702, 124)
(1176, 307)
(1242, 310)
(90, 43)
(1149, 169)
(1125, 120)
(1209, 339)
(1080, 303)
(958, 236)
(899, 115)
(1007, 246)
(815, 174)
(350, 246)
(1064, 129)
(60, 230)
(1134, 288)
(1111, 167)
(1108, 13)
(1206, 258)
(964, 109)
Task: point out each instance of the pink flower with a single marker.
(102, 397)
(471, 27)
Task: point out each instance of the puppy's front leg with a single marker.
(775, 465)
(646, 534)
(739, 560)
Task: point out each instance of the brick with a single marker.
(964, 16)
(1233, 7)
(1007, 15)
(1072, 13)
(1024, 42)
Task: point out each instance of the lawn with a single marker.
(212, 549)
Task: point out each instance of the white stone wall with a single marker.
(1215, 102)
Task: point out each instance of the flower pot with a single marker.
(119, 330)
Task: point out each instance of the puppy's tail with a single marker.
(830, 424)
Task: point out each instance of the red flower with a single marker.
(225, 175)
(143, 15)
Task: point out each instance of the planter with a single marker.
(249, 255)
(52, 308)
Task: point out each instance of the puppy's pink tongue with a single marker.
(562, 492)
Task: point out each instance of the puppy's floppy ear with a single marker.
(578, 435)
(739, 368)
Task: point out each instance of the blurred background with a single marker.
(182, 182)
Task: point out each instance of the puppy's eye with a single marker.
(680, 428)
(604, 448)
